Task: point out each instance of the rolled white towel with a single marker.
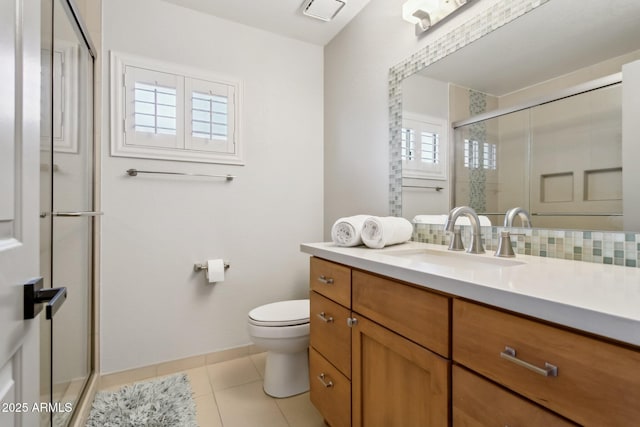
(347, 231)
(379, 232)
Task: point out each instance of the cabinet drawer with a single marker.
(417, 314)
(478, 402)
(330, 391)
(597, 383)
(331, 280)
(330, 334)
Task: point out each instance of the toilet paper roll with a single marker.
(215, 270)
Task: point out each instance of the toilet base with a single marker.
(286, 374)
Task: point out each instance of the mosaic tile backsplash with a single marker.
(602, 247)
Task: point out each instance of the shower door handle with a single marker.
(35, 296)
(80, 213)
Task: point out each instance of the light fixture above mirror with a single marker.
(424, 14)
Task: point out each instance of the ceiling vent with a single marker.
(325, 10)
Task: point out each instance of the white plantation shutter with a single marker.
(162, 111)
(152, 113)
(212, 116)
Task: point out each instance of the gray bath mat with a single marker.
(165, 402)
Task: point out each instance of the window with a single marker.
(408, 144)
(489, 156)
(430, 147)
(472, 159)
(471, 154)
(423, 145)
(209, 116)
(155, 109)
(162, 111)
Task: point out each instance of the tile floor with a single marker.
(229, 394)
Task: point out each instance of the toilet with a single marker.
(282, 328)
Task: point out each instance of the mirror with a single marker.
(555, 46)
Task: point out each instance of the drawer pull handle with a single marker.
(325, 280)
(322, 315)
(328, 384)
(549, 370)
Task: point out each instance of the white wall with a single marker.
(154, 308)
(357, 63)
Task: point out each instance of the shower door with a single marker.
(67, 193)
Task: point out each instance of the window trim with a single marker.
(183, 152)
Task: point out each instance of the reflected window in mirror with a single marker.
(472, 155)
(424, 147)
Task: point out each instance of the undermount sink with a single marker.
(461, 260)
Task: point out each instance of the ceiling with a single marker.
(552, 40)
(282, 17)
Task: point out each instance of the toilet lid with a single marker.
(282, 313)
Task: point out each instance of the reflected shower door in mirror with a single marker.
(67, 148)
(561, 161)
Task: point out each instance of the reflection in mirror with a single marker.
(561, 161)
(554, 46)
(425, 150)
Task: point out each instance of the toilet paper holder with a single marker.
(203, 267)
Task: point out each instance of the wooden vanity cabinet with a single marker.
(385, 342)
(597, 383)
(382, 353)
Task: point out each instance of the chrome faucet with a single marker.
(522, 213)
(475, 247)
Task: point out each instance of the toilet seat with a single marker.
(282, 313)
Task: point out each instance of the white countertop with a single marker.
(597, 298)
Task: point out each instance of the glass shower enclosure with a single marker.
(67, 206)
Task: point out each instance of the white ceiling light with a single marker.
(325, 10)
(426, 13)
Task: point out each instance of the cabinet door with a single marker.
(396, 382)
